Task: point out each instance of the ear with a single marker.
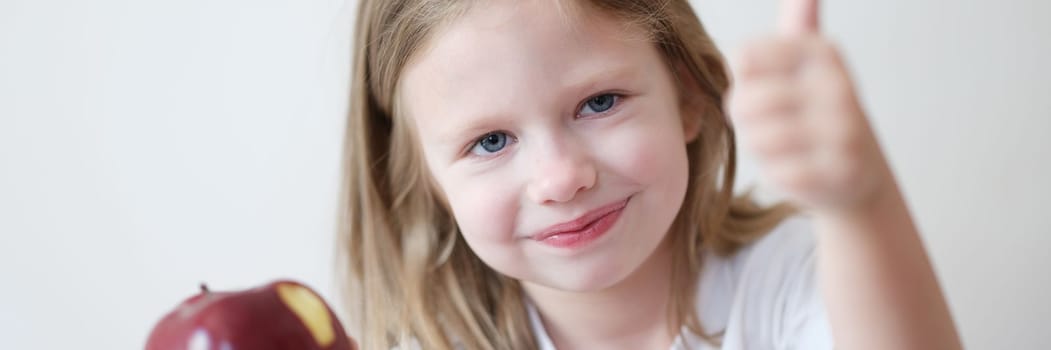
(691, 103)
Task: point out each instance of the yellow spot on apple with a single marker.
(311, 311)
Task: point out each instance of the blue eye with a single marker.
(490, 143)
(598, 104)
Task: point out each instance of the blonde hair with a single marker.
(411, 275)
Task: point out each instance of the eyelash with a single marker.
(478, 140)
(617, 101)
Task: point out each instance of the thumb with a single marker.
(798, 17)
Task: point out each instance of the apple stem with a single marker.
(204, 288)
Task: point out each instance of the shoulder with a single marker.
(788, 244)
(787, 247)
(766, 294)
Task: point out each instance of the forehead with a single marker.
(500, 54)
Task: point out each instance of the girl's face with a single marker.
(530, 120)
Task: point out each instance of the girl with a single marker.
(543, 174)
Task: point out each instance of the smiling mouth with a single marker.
(587, 227)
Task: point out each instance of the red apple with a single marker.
(282, 315)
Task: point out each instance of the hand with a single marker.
(795, 107)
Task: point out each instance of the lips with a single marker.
(584, 223)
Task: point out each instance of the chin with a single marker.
(597, 277)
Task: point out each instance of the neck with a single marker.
(632, 314)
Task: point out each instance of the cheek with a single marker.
(649, 153)
(485, 210)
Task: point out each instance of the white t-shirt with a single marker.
(763, 297)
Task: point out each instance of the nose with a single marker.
(562, 171)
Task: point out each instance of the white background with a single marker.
(147, 146)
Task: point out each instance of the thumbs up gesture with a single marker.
(795, 107)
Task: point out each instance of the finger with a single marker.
(768, 56)
(798, 17)
(753, 102)
(779, 139)
(795, 176)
